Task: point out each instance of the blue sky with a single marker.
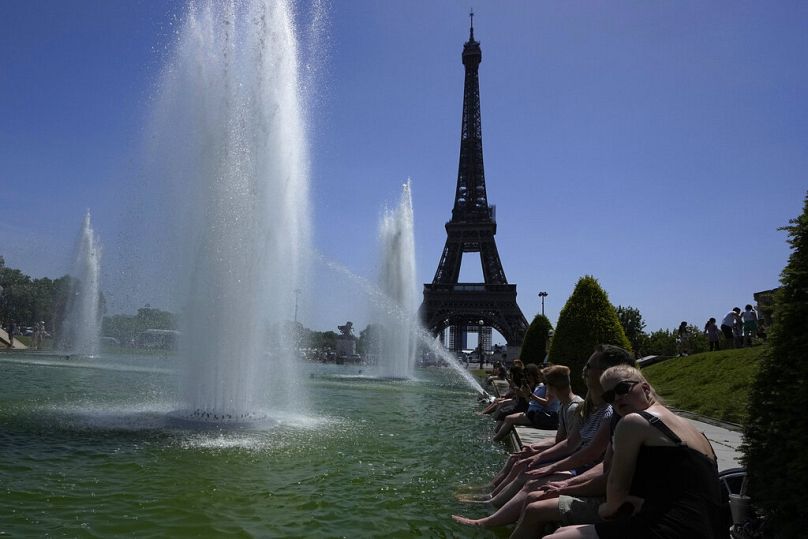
(656, 146)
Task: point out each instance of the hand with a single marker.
(532, 460)
(525, 461)
(539, 472)
(525, 452)
(552, 489)
(606, 510)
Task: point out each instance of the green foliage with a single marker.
(776, 433)
(28, 301)
(322, 340)
(714, 384)
(534, 347)
(661, 342)
(587, 319)
(125, 327)
(633, 325)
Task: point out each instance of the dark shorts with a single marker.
(543, 420)
(519, 407)
(727, 331)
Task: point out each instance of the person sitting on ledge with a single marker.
(663, 481)
(542, 410)
(521, 392)
(507, 402)
(498, 373)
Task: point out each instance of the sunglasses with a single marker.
(621, 388)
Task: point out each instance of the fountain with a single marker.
(397, 281)
(229, 138)
(81, 328)
(381, 302)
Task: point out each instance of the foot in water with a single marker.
(474, 498)
(467, 521)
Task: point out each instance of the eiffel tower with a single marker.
(476, 306)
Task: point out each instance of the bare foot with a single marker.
(467, 521)
(474, 498)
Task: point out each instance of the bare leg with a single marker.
(534, 516)
(526, 485)
(586, 531)
(506, 514)
(503, 473)
(517, 470)
(510, 421)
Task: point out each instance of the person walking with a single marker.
(731, 320)
(713, 334)
(681, 339)
(750, 324)
(11, 329)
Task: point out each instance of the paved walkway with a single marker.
(4, 341)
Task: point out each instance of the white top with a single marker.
(730, 319)
(749, 316)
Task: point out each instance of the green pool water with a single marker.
(88, 448)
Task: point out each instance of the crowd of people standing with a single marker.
(737, 329)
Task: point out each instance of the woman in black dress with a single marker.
(663, 481)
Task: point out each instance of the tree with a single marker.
(633, 326)
(534, 347)
(661, 342)
(776, 432)
(28, 301)
(587, 319)
(125, 327)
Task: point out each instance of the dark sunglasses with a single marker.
(622, 388)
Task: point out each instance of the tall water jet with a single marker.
(230, 137)
(81, 327)
(397, 280)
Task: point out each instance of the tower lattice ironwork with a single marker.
(447, 302)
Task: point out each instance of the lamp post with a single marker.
(542, 295)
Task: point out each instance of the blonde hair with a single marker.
(627, 372)
(557, 376)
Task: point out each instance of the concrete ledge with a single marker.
(529, 435)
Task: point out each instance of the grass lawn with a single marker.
(714, 384)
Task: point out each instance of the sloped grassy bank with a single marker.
(714, 384)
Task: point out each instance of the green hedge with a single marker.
(534, 347)
(776, 435)
(587, 319)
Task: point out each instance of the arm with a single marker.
(628, 439)
(559, 450)
(589, 453)
(544, 401)
(589, 484)
(593, 481)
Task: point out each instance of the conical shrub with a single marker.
(534, 347)
(587, 319)
(776, 433)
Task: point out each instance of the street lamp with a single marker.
(542, 295)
